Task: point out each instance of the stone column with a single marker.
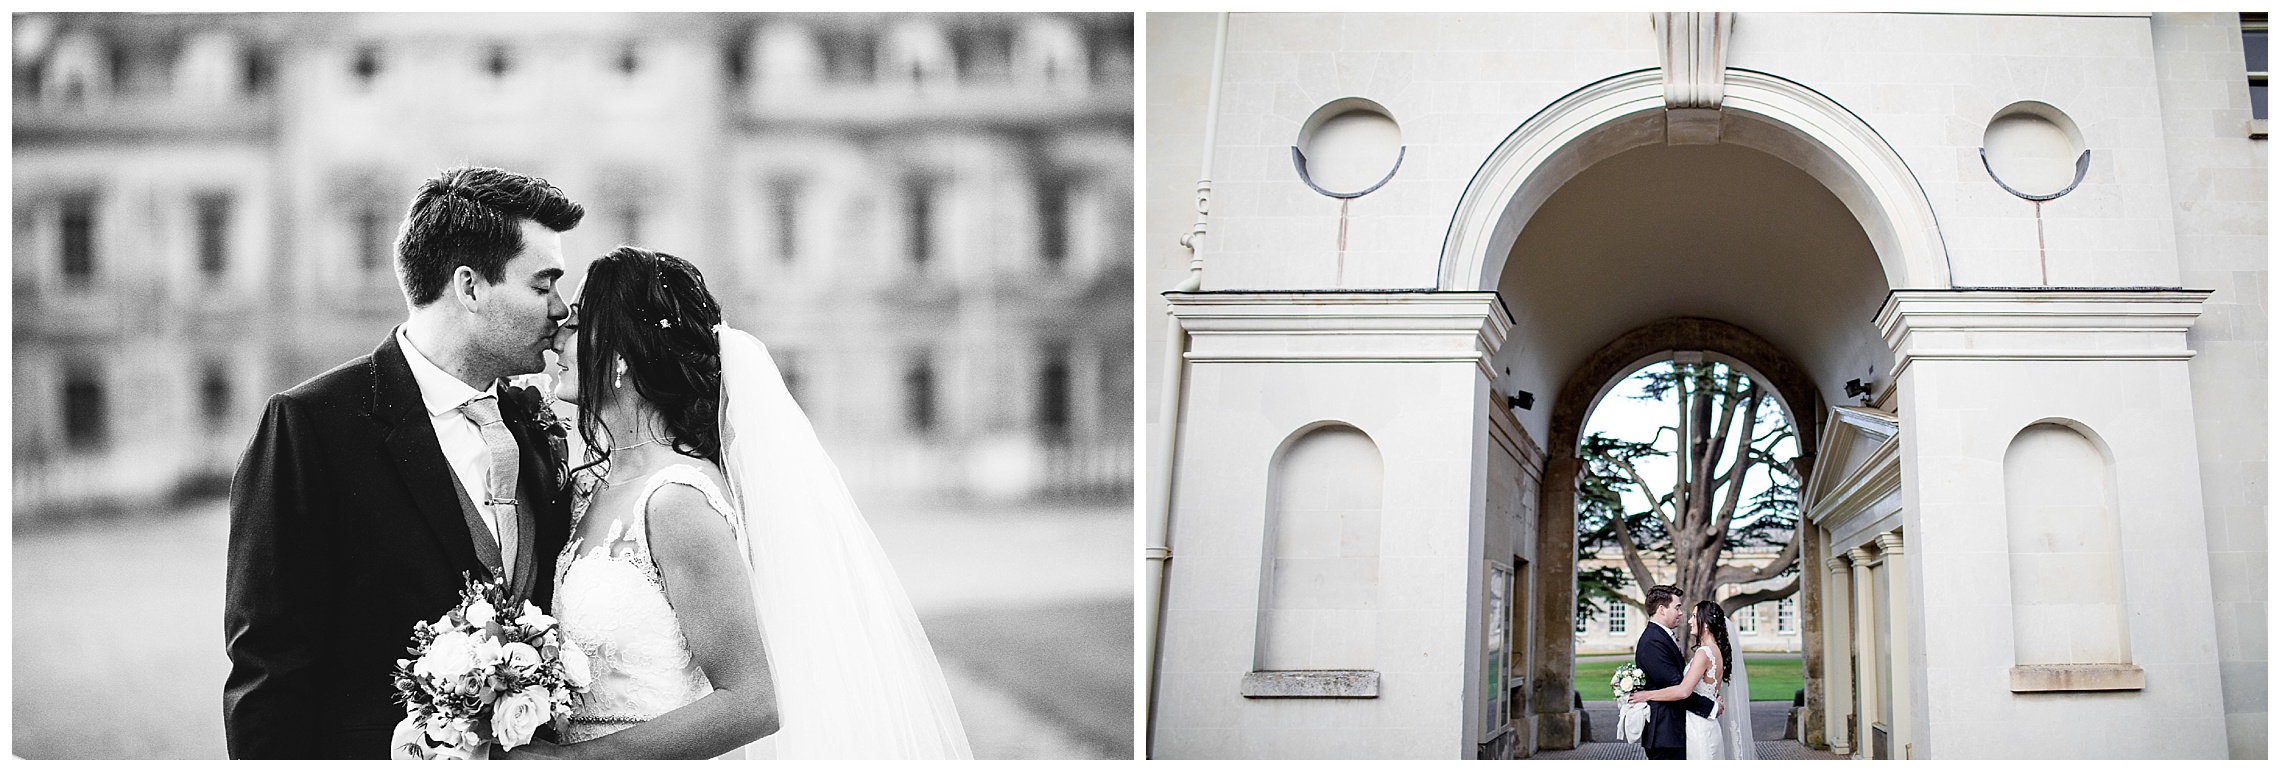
(1810, 592)
(1836, 653)
(1903, 672)
(1864, 636)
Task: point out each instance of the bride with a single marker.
(1728, 734)
(719, 578)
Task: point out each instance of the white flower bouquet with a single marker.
(479, 676)
(1630, 717)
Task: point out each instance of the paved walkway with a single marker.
(1768, 719)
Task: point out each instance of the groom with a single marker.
(1663, 661)
(370, 488)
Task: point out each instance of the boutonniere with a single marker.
(538, 405)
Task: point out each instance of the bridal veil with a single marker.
(855, 677)
(1734, 723)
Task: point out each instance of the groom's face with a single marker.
(516, 318)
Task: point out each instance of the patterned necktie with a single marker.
(506, 465)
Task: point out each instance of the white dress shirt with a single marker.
(462, 442)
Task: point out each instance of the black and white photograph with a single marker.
(573, 385)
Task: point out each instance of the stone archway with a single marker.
(1556, 533)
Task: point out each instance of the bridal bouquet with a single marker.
(1630, 718)
(481, 674)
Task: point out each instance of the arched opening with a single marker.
(1772, 251)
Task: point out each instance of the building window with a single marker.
(1785, 616)
(629, 220)
(1052, 220)
(849, 57)
(83, 415)
(629, 59)
(783, 208)
(1618, 619)
(1053, 394)
(213, 215)
(1582, 623)
(918, 220)
(366, 65)
(256, 70)
(2255, 31)
(214, 395)
(788, 364)
(498, 62)
(79, 237)
(375, 245)
(918, 395)
(1745, 621)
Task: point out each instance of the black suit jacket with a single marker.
(344, 531)
(1664, 664)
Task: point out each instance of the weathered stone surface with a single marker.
(2076, 678)
(1311, 683)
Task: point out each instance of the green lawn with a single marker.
(1772, 677)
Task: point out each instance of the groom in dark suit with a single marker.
(371, 488)
(1663, 662)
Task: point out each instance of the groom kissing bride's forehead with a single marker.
(370, 490)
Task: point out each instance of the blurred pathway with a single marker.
(117, 647)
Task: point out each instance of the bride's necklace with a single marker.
(651, 440)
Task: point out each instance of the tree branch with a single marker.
(1644, 489)
(1744, 600)
(1631, 558)
(1781, 562)
(1740, 470)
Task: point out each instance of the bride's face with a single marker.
(566, 352)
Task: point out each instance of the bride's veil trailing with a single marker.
(855, 677)
(1735, 722)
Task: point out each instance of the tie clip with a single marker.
(497, 502)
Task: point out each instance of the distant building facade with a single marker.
(1765, 626)
(925, 216)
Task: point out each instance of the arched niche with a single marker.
(1319, 575)
(2067, 601)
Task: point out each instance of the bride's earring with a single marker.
(619, 381)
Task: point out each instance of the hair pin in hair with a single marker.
(664, 324)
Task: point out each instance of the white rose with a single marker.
(534, 618)
(575, 668)
(481, 613)
(487, 652)
(442, 732)
(519, 714)
(519, 656)
(448, 657)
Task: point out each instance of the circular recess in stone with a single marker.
(2034, 151)
(1349, 147)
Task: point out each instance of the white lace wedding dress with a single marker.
(612, 604)
(1705, 737)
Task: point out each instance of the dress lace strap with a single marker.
(683, 474)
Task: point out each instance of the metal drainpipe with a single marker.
(1159, 549)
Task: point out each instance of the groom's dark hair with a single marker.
(1662, 595)
(472, 216)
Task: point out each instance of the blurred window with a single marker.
(984, 54)
(1785, 616)
(1581, 624)
(2255, 31)
(1108, 48)
(375, 243)
(1053, 220)
(214, 395)
(1745, 621)
(918, 219)
(629, 58)
(918, 394)
(629, 220)
(83, 414)
(850, 56)
(498, 62)
(1053, 394)
(1618, 619)
(366, 65)
(213, 213)
(783, 208)
(78, 237)
(257, 71)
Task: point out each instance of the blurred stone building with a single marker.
(1765, 626)
(927, 218)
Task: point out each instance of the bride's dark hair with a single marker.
(1710, 615)
(652, 310)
